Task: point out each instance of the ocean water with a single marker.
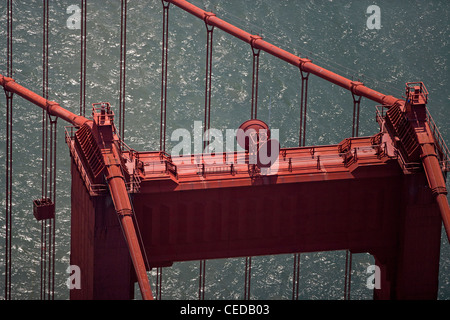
(411, 45)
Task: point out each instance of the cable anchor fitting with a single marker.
(301, 64)
(165, 3)
(253, 39)
(206, 17)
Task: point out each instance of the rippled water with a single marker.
(412, 45)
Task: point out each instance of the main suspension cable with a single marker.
(323, 58)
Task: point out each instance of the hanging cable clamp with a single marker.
(124, 212)
(207, 16)
(5, 80)
(165, 3)
(253, 39)
(5, 83)
(354, 85)
(301, 64)
(49, 108)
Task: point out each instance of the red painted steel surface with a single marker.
(97, 246)
(415, 111)
(362, 205)
(352, 196)
(319, 200)
(361, 195)
(109, 145)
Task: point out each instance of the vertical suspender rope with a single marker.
(45, 95)
(164, 55)
(303, 104)
(51, 253)
(301, 143)
(44, 146)
(83, 58)
(207, 126)
(201, 280)
(48, 172)
(348, 274)
(209, 49)
(247, 277)
(356, 107)
(43, 246)
(48, 226)
(123, 54)
(9, 160)
(9, 48)
(296, 276)
(253, 114)
(9, 192)
(158, 282)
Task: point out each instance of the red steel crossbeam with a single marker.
(431, 164)
(304, 64)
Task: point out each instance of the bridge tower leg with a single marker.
(98, 247)
(410, 268)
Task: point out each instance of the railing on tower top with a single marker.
(443, 152)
